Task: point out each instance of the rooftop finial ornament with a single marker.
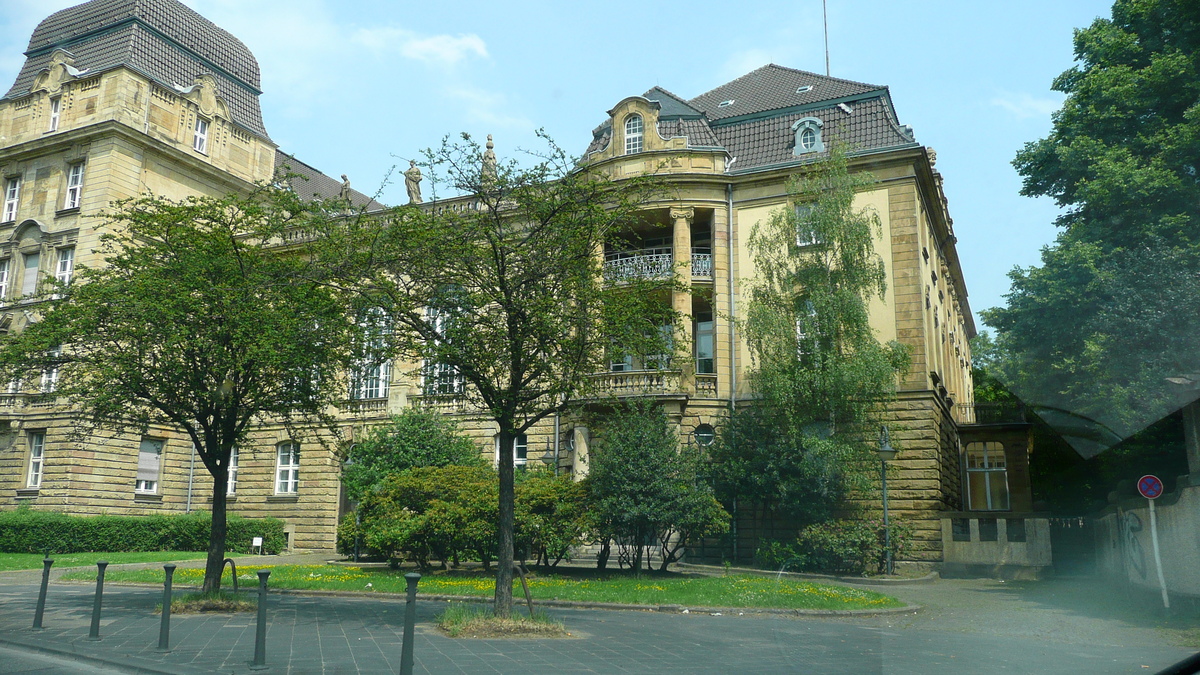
(489, 162)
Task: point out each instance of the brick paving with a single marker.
(333, 635)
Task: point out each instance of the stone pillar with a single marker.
(681, 299)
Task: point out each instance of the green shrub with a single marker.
(849, 546)
(27, 531)
(551, 515)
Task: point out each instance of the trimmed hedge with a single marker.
(27, 531)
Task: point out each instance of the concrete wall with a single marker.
(1124, 550)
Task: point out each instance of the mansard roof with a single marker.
(754, 124)
(775, 87)
(164, 40)
(307, 181)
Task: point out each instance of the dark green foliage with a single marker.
(448, 514)
(197, 321)
(1112, 310)
(521, 313)
(414, 438)
(552, 514)
(28, 531)
(819, 371)
(645, 490)
(853, 547)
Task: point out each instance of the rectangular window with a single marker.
(66, 265)
(287, 471)
(442, 379)
(12, 194)
(371, 381)
(704, 344)
(50, 374)
(74, 186)
(231, 484)
(149, 462)
(622, 365)
(37, 454)
(200, 138)
(806, 234)
(987, 477)
(520, 446)
(4, 278)
(29, 275)
(55, 112)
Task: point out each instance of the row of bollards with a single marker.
(260, 632)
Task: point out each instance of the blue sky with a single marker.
(350, 86)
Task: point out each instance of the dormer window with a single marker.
(808, 136)
(55, 111)
(633, 134)
(200, 138)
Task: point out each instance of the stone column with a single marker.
(681, 299)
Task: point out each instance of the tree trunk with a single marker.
(504, 552)
(216, 537)
(602, 556)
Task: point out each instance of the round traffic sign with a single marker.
(1150, 487)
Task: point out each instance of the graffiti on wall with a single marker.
(1131, 524)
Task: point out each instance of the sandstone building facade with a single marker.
(122, 97)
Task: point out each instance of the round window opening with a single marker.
(705, 434)
(808, 139)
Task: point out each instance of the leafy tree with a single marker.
(646, 490)
(195, 321)
(820, 372)
(501, 294)
(414, 438)
(1112, 309)
(551, 514)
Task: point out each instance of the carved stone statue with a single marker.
(489, 162)
(344, 195)
(412, 182)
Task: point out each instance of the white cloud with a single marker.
(446, 50)
(1024, 106)
(485, 108)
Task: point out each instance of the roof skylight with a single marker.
(804, 88)
(723, 104)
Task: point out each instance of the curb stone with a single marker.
(713, 570)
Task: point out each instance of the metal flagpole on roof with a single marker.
(825, 20)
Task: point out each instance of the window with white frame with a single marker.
(808, 136)
(520, 450)
(371, 377)
(66, 265)
(806, 232)
(987, 476)
(622, 364)
(149, 463)
(55, 113)
(287, 468)
(4, 263)
(232, 471)
(37, 458)
(74, 186)
(806, 330)
(12, 196)
(200, 137)
(633, 134)
(441, 379)
(50, 372)
(29, 273)
(705, 337)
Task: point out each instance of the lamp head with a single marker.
(886, 451)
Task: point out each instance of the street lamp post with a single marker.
(885, 452)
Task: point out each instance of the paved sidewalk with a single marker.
(966, 626)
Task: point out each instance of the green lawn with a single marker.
(33, 561)
(580, 585)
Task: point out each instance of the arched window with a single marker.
(808, 136)
(633, 134)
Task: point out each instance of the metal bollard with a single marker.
(410, 619)
(164, 629)
(260, 633)
(94, 633)
(41, 604)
